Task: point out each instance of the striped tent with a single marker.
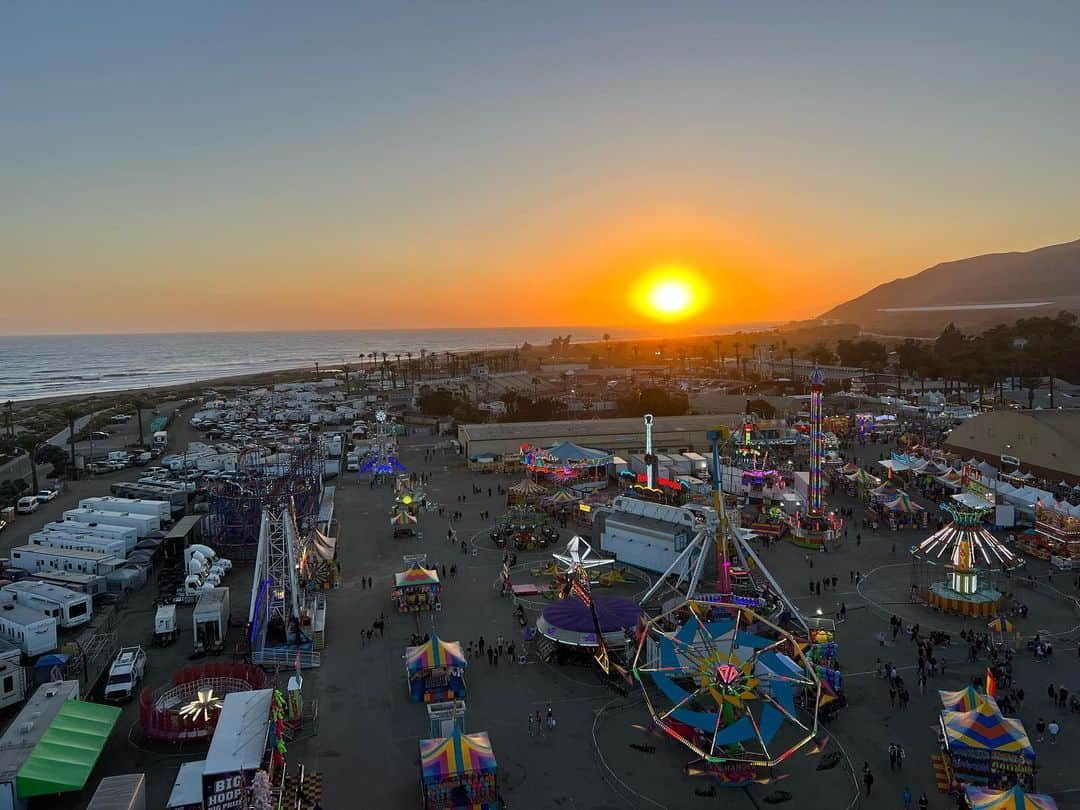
(984, 729)
(1001, 625)
(435, 654)
(962, 700)
(527, 489)
(457, 754)
(563, 496)
(1012, 799)
(417, 575)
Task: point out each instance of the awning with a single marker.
(67, 752)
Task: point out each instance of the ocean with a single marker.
(59, 365)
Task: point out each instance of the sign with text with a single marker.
(226, 791)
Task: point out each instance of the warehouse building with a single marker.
(1047, 443)
(616, 436)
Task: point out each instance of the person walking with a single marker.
(1053, 728)
(892, 756)
(867, 777)
(1040, 729)
(905, 797)
(923, 802)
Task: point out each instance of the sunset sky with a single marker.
(184, 166)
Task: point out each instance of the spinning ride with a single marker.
(970, 555)
(728, 693)
(525, 527)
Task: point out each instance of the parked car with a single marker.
(27, 505)
(44, 495)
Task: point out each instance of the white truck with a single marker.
(210, 620)
(352, 461)
(161, 439)
(125, 674)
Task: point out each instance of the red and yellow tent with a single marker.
(1013, 799)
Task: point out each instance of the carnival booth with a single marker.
(416, 590)
(982, 746)
(459, 771)
(436, 671)
(903, 513)
(1012, 799)
(403, 522)
(319, 568)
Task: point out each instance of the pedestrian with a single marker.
(530, 724)
(539, 724)
(1053, 728)
(892, 697)
(550, 719)
(901, 755)
(843, 611)
(1052, 692)
(1040, 729)
(923, 802)
(491, 656)
(851, 576)
(481, 645)
(892, 756)
(867, 777)
(1063, 697)
(905, 797)
(834, 581)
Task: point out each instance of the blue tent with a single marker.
(568, 451)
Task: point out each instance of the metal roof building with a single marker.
(1046, 442)
(613, 435)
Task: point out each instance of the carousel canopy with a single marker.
(1012, 799)
(417, 575)
(528, 488)
(435, 654)
(962, 700)
(984, 729)
(566, 452)
(563, 495)
(459, 753)
(569, 621)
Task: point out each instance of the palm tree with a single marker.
(738, 361)
(791, 361)
(140, 404)
(71, 415)
(9, 418)
(345, 376)
(636, 350)
(408, 366)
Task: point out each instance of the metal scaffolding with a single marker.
(290, 477)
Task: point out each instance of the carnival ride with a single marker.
(188, 707)
(728, 684)
(382, 461)
(971, 558)
(525, 527)
(816, 528)
(289, 478)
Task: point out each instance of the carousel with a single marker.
(970, 557)
(525, 492)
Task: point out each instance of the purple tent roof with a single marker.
(614, 613)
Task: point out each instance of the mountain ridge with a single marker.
(973, 293)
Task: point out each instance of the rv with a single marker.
(161, 509)
(12, 684)
(177, 498)
(42, 558)
(80, 542)
(89, 584)
(69, 608)
(161, 439)
(143, 524)
(127, 533)
(34, 632)
(165, 625)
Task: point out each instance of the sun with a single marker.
(670, 293)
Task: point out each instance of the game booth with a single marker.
(982, 747)
(1012, 799)
(436, 671)
(416, 590)
(459, 771)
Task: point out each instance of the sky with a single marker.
(207, 166)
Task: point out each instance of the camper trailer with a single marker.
(89, 584)
(133, 506)
(143, 524)
(177, 498)
(117, 547)
(126, 533)
(68, 607)
(34, 632)
(12, 684)
(42, 558)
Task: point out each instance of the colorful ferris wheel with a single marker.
(729, 685)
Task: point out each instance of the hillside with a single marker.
(972, 293)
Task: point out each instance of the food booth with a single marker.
(416, 590)
(436, 671)
(459, 771)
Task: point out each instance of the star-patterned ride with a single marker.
(729, 685)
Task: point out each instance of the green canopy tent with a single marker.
(67, 752)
